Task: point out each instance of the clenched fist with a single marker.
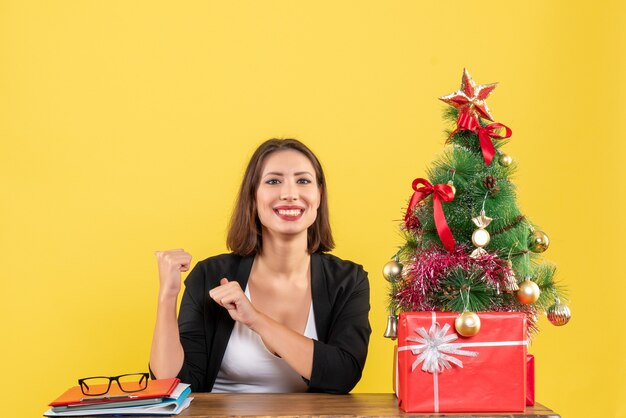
(232, 297)
(171, 264)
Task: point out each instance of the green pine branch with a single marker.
(461, 290)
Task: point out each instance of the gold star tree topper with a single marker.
(470, 99)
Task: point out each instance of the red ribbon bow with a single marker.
(485, 134)
(467, 121)
(440, 192)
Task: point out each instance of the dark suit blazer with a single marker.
(340, 293)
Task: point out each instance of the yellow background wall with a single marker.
(125, 127)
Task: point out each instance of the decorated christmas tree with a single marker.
(468, 246)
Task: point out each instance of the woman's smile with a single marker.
(289, 213)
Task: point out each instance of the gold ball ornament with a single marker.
(538, 241)
(505, 160)
(528, 292)
(559, 314)
(392, 270)
(467, 324)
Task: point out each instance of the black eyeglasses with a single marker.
(99, 385)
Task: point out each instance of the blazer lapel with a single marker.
(225, 323)
(319, 294)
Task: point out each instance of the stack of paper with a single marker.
(161, 397)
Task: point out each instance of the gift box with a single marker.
(441, 371)
(530, 380)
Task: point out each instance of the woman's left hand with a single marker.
(230, 296)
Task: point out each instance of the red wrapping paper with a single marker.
(530, 380)
(494, 380)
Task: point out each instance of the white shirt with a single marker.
(248, 366)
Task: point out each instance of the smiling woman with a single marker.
(278, 314)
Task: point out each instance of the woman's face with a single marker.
(287, 197)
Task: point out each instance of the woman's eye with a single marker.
(304, 181)
(272, 181)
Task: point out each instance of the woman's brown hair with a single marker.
(245, 230)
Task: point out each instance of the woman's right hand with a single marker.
(171, 264)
